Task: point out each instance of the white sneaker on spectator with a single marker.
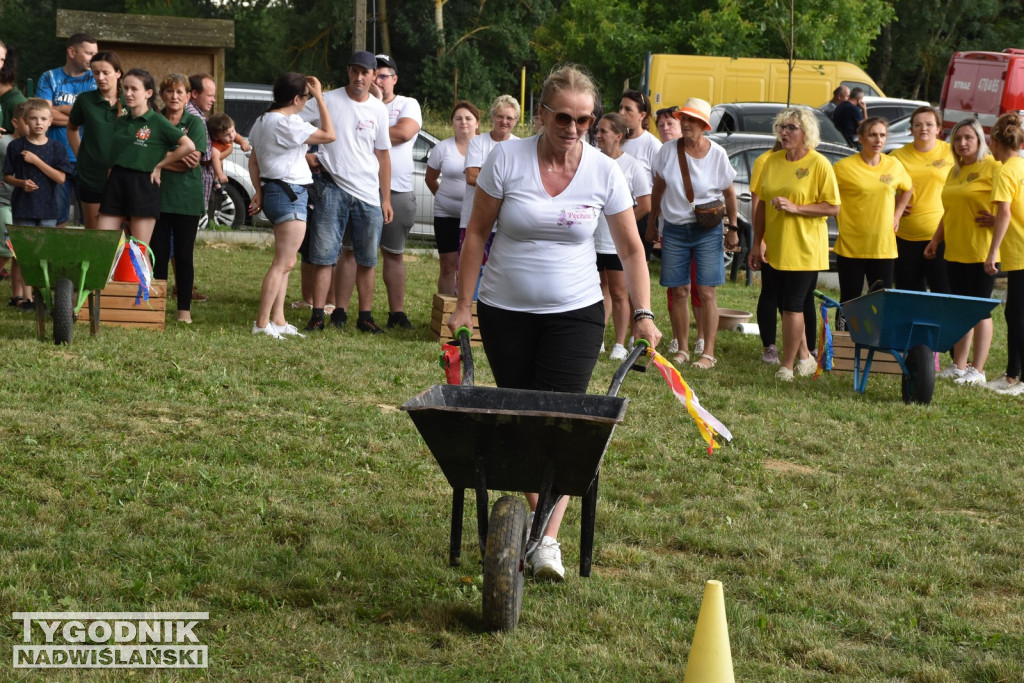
(805, 367)
(287, 330)
(770, 355)
(269, 330)
(784, 375)
(952, 372)
(602, 347)
(547, 560)
(972, 377)
(997, 384)
(1015, 389)
(698, 348)
(673, 347)
(618, 352)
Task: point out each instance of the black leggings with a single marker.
(853, 271)
(1014, 313)
(913, 270)
(768, 307)
(184, 229)
(547, 352)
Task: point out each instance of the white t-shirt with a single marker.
(710, 176)
(643, 149)
(401, 155)
(476, 155)
(279, 143)
(446, 158)
(639, 186)
(362, 128)
(542, 258)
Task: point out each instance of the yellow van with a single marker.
(671, 79)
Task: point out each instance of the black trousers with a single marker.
(184, 229)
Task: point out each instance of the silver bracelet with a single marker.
(642, 314)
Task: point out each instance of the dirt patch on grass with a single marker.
(787, 467)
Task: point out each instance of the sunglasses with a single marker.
(562, 120)
(667, 111)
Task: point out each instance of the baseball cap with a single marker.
(386, 60)
(364, 59)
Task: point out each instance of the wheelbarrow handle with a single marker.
(639, 349)
(463, 334)
(832, 302)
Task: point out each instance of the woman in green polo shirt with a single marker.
(96, 110)
(181, 196)
(143, 144)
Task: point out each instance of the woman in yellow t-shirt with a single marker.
(875, 189)
(966, 229)
(928, 160)
(798, 191)
(1008, 243)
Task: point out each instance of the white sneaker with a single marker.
(972, 377)
(1015, 389)
(547, 560)
(805, 367)
(698, 348)
(770, 355)
(784, 375)
(952, 372)
(269, 330)
(287, 330)
(674, 346)
(618, 352)
(997, 384)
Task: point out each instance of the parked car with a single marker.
(743, 149)
(758, 117)
(892, 108)
(899, 134)
(244, 102)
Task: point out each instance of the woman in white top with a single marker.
(683, 239)
(280, 174)
(446, 179)
(540, 309)
(611, 131)
(635, 107)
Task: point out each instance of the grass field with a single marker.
(276, 486)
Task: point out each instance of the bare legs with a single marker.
(287, 240)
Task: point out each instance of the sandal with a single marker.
(15, 301)
(712, 362)
(681, 358)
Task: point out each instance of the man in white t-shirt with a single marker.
(404, 120)
(351, 197)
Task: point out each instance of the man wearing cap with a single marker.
(405, 121)
(352, 196)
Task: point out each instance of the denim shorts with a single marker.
(36, 222)
(683, 244)
(335, 213)
(278, 206)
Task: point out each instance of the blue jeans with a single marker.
(64, 196)
(682, 244)
(37, 222)
(336, 212)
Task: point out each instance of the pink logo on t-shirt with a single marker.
(581, 214)
(366, 124)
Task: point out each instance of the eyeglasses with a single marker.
(385, 76)
(788, 128)
(306, 95)
(562, 120)
(667, 111)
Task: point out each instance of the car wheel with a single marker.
(229, 210)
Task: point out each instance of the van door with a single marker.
(974, 87)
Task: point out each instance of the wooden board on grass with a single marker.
(844, 352)
(117, 306)
(443, 306)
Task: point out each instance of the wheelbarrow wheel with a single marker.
(919, 380)
(504, 564)
(63, 311)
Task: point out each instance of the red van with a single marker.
(982, 84)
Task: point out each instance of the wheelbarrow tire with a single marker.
(504, 564)
(919, 380)
(63, 311)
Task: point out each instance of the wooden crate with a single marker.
(117, 306)
(843, 353)
(443, 307)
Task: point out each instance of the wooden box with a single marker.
(843, 353)
(442, 308)
(117, 306)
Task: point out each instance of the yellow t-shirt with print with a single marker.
(869, 205)
(928, 170)
(1009, 187)
(796, 242)
(966, 194)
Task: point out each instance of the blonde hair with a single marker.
(1008, 131)
(172, 80)
(806, 120)
(34, 104)
(979, 133)
(502, 101)
(567, 78)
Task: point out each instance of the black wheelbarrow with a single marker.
(517, 440)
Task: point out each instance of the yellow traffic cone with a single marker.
(710, 660)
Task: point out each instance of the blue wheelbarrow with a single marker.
(911, 326)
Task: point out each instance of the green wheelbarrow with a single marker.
(68, 266)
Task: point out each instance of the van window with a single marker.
(244, 112)
(868, 90)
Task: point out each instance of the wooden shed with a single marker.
(161, 45)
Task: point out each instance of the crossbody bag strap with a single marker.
(684, 169)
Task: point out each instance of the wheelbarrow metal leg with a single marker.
(588, 517)
(547, 499)
(481, 505)
(94, 312)
(455, 543)
(37, 299)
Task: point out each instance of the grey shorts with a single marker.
(392, 239)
